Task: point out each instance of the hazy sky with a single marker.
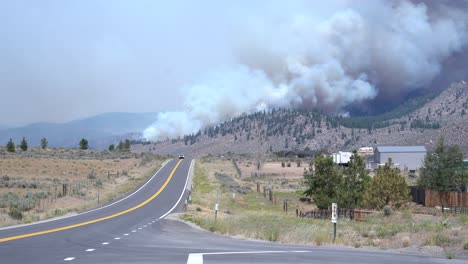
(61, 60)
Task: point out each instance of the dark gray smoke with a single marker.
(359, 51)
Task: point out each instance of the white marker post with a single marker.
(216, 212)
(334, 219)
(216, 205)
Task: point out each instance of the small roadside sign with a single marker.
(334, 216)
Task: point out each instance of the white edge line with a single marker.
(183, 191)
(197, 258)
(255, 252)
(69, 259)
(93, 210)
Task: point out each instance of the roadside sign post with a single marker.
(334, 219)
(216, 205)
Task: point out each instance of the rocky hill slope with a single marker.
(443, 116)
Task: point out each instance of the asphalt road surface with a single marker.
(134, 230)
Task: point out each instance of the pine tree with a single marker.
(387, 187)
(112, 147)
(83, 144)
(354, 183)
(120, 146)
(126, 145)
(323, 182)
(44, 143)
(24, 144)
(10, 146)
(441, 170)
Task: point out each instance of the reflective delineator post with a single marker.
(334, 219)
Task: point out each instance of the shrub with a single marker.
(15, 213)
(387, 210)
(92, 175)
(450, 255)
(199, 209)
(405, 241)
(465, 247)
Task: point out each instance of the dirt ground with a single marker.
(271, 168)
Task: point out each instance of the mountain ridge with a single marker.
(445, 115)
(100, 130)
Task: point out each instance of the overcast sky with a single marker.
(61, 60)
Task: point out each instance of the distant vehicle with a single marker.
(181, 156)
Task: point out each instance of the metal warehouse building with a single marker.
(404, 157)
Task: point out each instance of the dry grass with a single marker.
(252, 215)
(34, 183)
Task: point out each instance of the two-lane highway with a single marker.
(57, 240)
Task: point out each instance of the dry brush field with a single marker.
(40, 184)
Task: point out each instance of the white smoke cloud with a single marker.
(356, 54)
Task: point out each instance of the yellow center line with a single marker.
(98, 219)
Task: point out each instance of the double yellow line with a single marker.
(98, 219)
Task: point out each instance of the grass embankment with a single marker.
(251, 215)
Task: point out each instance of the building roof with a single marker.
(395, 149)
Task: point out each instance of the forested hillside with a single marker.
(420, 121)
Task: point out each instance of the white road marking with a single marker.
(126, 234)
(197, 258)
(90, 250)
(117, 238)
(139, 228)
(145, 225)
(100, 208)
(105, 243)
(133, 231)
(149, 223)
(69, 259)
(183, 191)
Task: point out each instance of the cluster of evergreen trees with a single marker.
(11, 147)
(83, 145)
(123, 146)
(352, 186)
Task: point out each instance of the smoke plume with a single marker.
(361, 51)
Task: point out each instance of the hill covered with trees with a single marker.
(420, 121)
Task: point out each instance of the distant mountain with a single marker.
(420, 121)
(100, 130)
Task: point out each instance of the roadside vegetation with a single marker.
(246, 213)
(42, 183)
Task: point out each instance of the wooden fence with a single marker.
(352, 214)
(432, 198)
